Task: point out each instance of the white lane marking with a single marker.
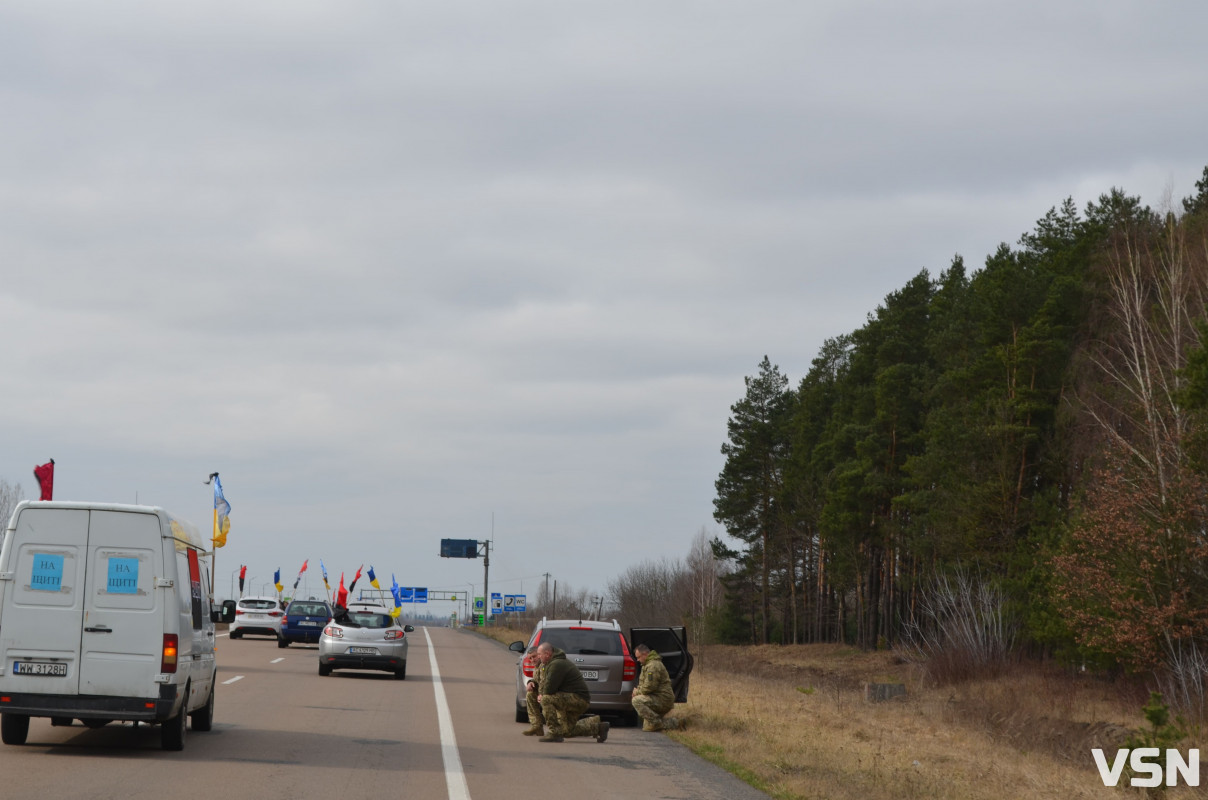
(455, 778)
(277, 660)
(232, 680)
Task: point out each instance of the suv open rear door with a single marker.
(672, 646)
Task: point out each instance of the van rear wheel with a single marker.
(14, 728)
(203, 718)
(172, 737)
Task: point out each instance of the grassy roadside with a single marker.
(793, 722)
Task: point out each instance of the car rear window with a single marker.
(258, 603)
(583, 643)
(360, 619)
(309, 609)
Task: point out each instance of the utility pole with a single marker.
(486, 590)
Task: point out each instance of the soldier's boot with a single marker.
(602, 732)
(652, 725)
(534, 730)
(552, 737)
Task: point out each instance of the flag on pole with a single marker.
(299, 578)
(397, 594)
(342, 594)
(373, 579)
(324, 568)
(242, 575)
(355, 578)
(46, 479)
(222, 510)
(277, 580)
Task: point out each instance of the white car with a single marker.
(259, 615)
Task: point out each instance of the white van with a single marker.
(104, 615)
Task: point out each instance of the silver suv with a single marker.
(605, 657)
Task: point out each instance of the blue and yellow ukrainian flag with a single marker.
(222, 510)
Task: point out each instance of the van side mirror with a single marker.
(228, 611)
(516, 647)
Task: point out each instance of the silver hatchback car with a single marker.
(364, 637)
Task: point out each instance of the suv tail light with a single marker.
(527, 665)
(274, 613)
(630, 669)
(167, 662)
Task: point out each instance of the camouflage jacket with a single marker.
(561, 675)
(654, 680)
(538, 672)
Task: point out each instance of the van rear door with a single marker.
(44, 602)
(672, 646)
(123, 627)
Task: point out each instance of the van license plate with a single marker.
(591, 674)
(308, 624)
(39, 668)
(362, 651)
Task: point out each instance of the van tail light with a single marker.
(630, 669)
(168, 662)
(334, 631)
(527, 666)
(394, 634)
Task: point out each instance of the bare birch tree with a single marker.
(10, 495)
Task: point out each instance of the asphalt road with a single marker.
(281, 731)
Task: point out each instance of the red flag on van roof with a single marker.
(46, 479)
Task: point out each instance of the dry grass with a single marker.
(793, 722)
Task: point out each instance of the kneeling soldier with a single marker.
(564, 697)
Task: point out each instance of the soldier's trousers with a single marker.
(535, 715)
(562, 712)
(651, 709)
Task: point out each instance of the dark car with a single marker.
(605, 657)
(304, 621)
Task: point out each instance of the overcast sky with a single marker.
(403, 271)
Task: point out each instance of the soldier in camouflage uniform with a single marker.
(536, 717)
(564, 697)
(653, 697)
